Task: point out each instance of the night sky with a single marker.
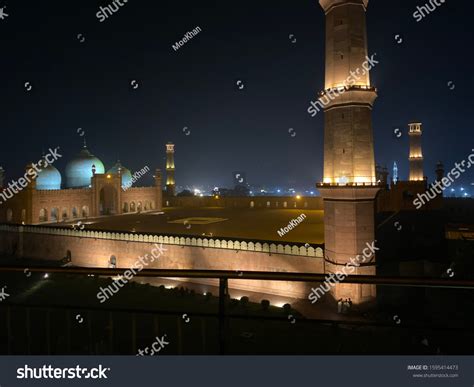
(88, 85)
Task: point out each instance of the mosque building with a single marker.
(87, 191)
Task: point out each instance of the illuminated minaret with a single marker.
(170, 183)
(395, 172)
(416, 155)
(349, 183)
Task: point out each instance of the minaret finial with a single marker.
(85, 143)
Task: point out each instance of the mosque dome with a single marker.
(126, 174)
(79, 169)
(48, 178)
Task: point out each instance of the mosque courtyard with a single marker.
(215, 222)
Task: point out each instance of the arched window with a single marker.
(43, 215)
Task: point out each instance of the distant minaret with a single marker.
(395, 172)
(416, 155)
(170, 183)
(381, 174)
(439, 171)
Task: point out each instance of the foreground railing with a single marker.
(222, 314)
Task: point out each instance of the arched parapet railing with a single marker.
(296, 249)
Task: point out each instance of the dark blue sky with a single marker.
(87, 85)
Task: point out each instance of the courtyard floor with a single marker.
(216, 222)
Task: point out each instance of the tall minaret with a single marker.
(170, 183)
(349, 185)
(416, 155)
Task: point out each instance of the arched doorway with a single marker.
(43, 215)
(252, 204)
(23, 216)
(54, 214)
(85, 211)
(74, 212)
(9, 215)
(64, 215)
(139, 206)
(125, 207)
(132, 207)
(108, 200)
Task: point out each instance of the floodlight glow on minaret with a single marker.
(348, 138)
(170, 182)
(416, 154)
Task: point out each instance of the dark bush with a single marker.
(265, 304)
(233, 303)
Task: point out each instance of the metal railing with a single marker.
(223, 277)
